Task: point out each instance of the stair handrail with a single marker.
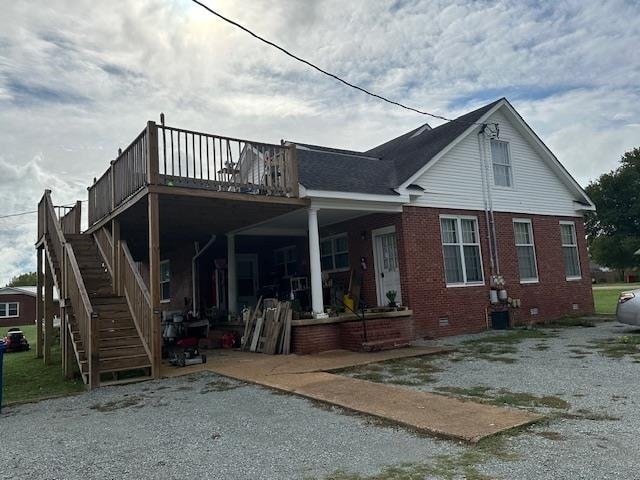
(86, 317)
(54, 230)
(138, 298)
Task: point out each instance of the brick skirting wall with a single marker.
(349, 335)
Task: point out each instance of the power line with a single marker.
(36, 211)
(321, 70)
(18, 214)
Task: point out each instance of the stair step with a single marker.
(112, 332)
(112, 300)
(119, 364)
(120, 341)
(126, 381)
(120, 352)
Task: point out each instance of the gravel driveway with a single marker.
(205, 426)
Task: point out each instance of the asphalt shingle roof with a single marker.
(383, 168)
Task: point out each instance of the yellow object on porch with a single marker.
(348, 302)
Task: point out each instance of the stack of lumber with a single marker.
(268, 327)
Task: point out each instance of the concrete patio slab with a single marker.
(307, 376)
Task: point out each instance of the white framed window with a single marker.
(570, 250)
(501, 159)
(165, 281)
(526, 250)
(461, 251)
(334, 253)
(9, 309)
(286, 261)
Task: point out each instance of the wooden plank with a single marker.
(48, 313)
(154, 283)
(248, 328)
(256, 334)
(39, 303)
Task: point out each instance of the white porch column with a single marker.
(317, 304)
(232, 281)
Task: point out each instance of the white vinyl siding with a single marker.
(502, 176)
(526, 251)
(334, 253)
(455, 180)
(570, 250)
(165, 281)
(9, 309)
(461, 251)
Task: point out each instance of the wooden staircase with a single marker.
(120, 348)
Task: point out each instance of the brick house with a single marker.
(192, 222)
(18, 306)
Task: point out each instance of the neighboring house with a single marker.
(18, 306)
(191, 221)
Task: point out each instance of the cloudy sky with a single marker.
(80, 78)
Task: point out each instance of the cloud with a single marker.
(78, 79)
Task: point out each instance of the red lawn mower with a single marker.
(15, 341)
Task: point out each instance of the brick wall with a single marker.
(348, 335)
(465, 308)
(361, 245)
(26, 310)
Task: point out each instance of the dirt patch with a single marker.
(133, 401)
(550, 435)
(221, 385)
(412, 371)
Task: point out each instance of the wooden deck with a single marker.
(173, 161)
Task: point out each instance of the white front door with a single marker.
(247, 277)
(387, 268)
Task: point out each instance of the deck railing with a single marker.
(138, 298)
(100, 197)
(70, 218)
(163, 155)
(202, 160)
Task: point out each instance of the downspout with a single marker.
(195, 298)
(484, 198)
(492, 222)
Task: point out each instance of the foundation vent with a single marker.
(443, 321)
(534, 311)
(575, 306)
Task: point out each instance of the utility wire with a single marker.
(336, 77)
(36, 211)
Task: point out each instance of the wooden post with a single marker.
(112, 175)
(154, 283)
(78, 219)
(293, 169)
(115, 256)
(39, 303)
(153, 162)
(48, 311)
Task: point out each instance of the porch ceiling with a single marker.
(296, 223)
(186, 218)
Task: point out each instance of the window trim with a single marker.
(571, 278)
(511, 169)
(333, 238)
(6, 304)
(532, 245)
(165, 300)
(461, 245)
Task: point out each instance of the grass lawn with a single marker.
(27, 378)
(606, 300)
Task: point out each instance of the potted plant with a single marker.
(391, 296)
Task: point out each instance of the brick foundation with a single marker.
(348, 335)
